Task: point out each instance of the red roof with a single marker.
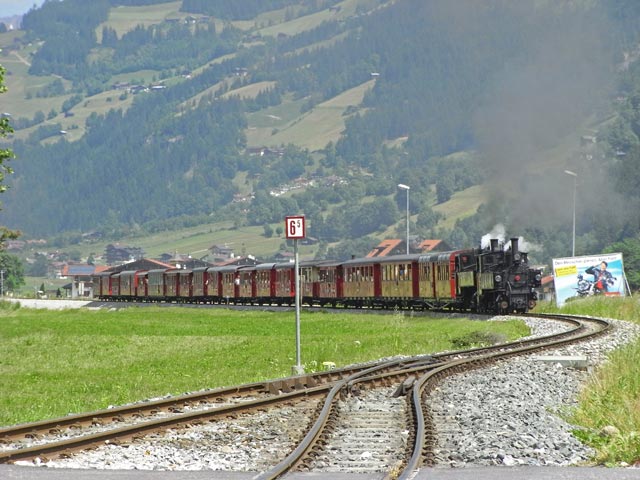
(428, 245)
(384, 248)
(547, 279)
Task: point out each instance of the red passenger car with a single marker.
(229, 283)
(330, 283)
(185, 285)
(155, 289)
(102, 285)
(397, 280)
(265, 281)
(285, 288)
(132, 284)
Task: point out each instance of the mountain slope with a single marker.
(372, 92)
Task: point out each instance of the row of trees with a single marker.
(11, 266)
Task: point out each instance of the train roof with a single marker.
(264, 266)
(132, 272)
(442, 256)
(158, 270)
(226, 268)
(376, 260)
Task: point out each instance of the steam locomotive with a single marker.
(494, 279)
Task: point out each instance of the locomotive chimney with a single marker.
(514, 246)
(494, 244)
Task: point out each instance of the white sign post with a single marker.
(295, 229)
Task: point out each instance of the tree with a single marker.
(6, 155)
(13, 272)
(39, 267)
(630, 249)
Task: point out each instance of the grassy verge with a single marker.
(56, 362)
(612, 396)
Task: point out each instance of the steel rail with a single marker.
(114, 436)
(284, 385)
(371, 375)
(429, 379)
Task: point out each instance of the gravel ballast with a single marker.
(510, 414)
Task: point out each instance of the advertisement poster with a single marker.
(577, 277)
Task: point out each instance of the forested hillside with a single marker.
(163, 121)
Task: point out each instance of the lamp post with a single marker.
(402, 186)
(575, 187)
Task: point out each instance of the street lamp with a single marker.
(402, 186)
(575, 187)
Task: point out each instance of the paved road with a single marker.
(50, 304)
(14, 472)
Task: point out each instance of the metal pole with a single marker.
(298, 369)
(573, 236)
(575, 188)
(407, 221)
(1, 283)
(402, 186)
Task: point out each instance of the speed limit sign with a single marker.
(294, 227)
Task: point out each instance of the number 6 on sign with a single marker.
(294, 227)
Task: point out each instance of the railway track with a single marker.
(346, 433)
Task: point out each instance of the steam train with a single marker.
(494, 279)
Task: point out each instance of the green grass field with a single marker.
(57, 362)
(284, 124)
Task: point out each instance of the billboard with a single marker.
(577, 277)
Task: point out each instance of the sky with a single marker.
(16, 7)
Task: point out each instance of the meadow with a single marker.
(57, 362)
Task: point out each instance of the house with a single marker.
(389, 247)
(115, 254)
(284, 257)
(433, 246)
(14, 244)
(399, 247)
(547, 291)
(221, 253)
(81, 278)
(185, 261)
(141, 264)
(265, 151)
(248, 260)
